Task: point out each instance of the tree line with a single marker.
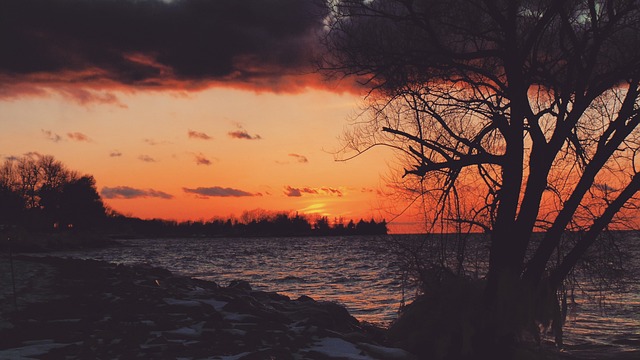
(39, 193)
(278, 224)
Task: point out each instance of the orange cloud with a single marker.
(298, 192)
(202, 160)
(153, 142)
(198, 135)
(77, 136)
(146, 158)
(299, 158)
(241, 133)
(51, 135)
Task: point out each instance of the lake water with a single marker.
(360, 273)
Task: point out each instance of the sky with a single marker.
(187, 109)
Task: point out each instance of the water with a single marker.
(358, 272)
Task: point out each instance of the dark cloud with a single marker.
(77, 136)
(51, 135)
(217, 191)
(146, 158)
(198, 135)
(297, 192)
(243, 134)
(202, 160)
(115, 153)
(125, 192)
(157, 43)
(292, 192)
(299, 158)
(331, 191)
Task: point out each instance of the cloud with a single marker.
(299, 158)
(331, 191)
(217, 191)
(115, 153)
(51, 135)
(185, 44)
(198, 135)
(292, 192)
(77, 136)
(297, 192)
(243, 134)
(153, 142)
(202, 160)
(86, 97)
(372, 191)
(126, 192)
(146, 158)
(74, 136)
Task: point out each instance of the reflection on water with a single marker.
(357, 272)
(353, 271)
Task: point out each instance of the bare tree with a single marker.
(29, 180)
(513, 116)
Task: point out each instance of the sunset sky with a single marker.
(186, 109)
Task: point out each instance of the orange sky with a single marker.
(176, 155)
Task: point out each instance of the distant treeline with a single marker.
(279, 224)
(39, 194)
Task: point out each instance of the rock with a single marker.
(304, 298)
(93, 309)
(240, 285)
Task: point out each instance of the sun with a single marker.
(315, 209)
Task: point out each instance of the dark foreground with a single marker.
(70, 309)
(96, 310)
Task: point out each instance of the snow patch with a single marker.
(385, 352)
(217, 304)
(189, 331)
(234, 357)
(334, 347)
(34, 348)
(179, 302)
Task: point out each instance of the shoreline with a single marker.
(94, 309)
(88, 308)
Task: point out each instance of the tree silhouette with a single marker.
(40, 193)
(511, 116)
(11, 206)
(80, 204)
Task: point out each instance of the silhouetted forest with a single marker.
(279, 224)
(39, 194)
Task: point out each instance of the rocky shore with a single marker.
(70, 309)
(85, 309)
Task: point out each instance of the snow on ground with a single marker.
(335, 347)
(34, 348)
